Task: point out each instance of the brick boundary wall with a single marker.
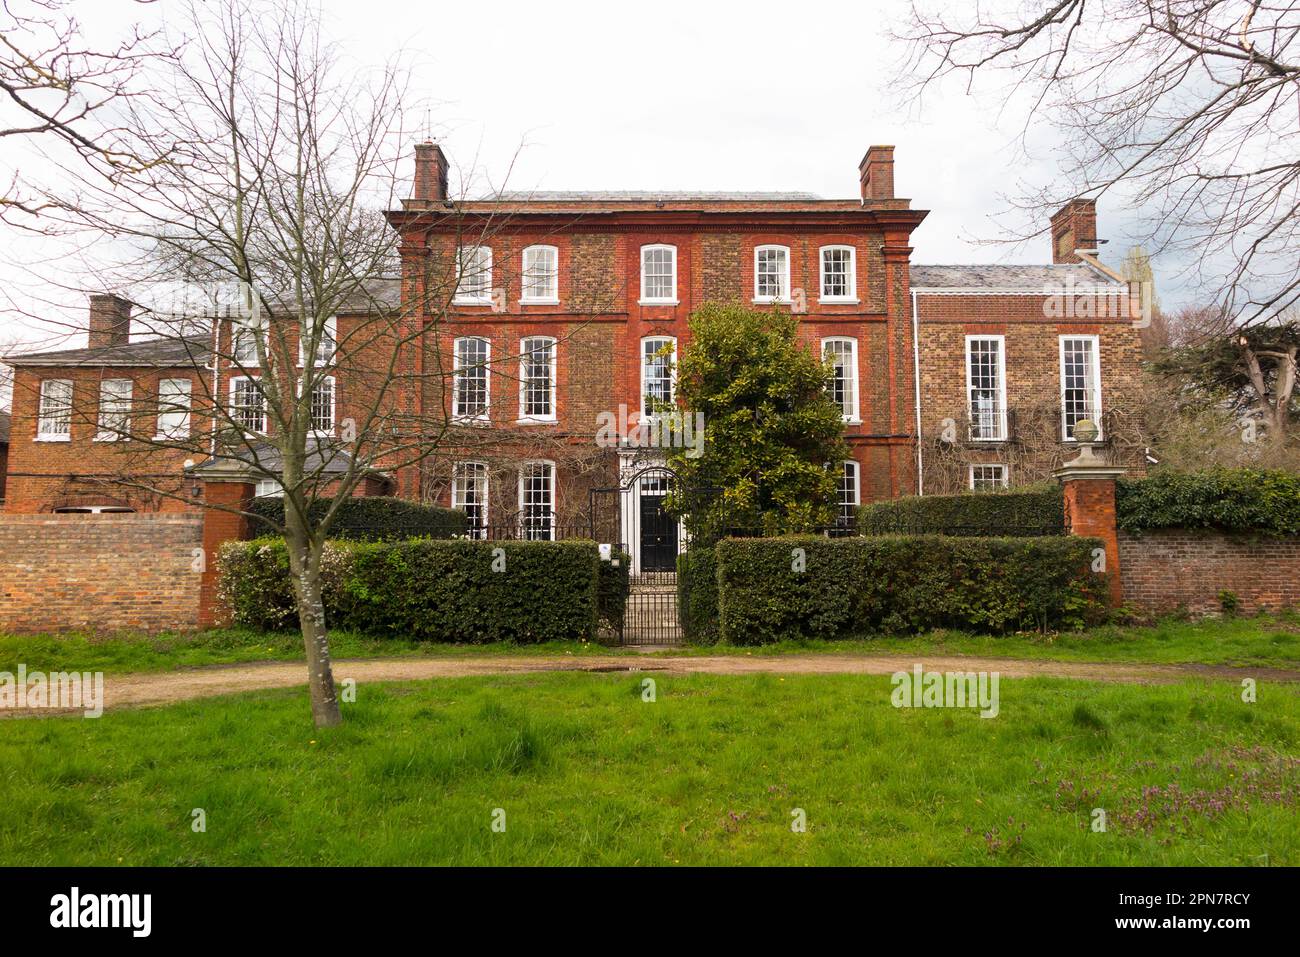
(99, 572)
(1165, 570)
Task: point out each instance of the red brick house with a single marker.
(568, 308)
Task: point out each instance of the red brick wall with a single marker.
(1169, 569)
(100, 572)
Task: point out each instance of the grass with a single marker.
(709, 773)
(1269, 641)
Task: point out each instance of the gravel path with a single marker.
(135, 690)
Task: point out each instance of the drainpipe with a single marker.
(916, 380)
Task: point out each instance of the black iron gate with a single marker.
(635, 521)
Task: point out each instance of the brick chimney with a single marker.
(1074, 226)
(110, 321)
(876, 173)
(430, 173)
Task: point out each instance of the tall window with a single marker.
(537, 500)
(838, 274)
(988, 478)
(54, 417)
(659, 273)
(771, 274)
(322, 406)
(841, 353)
(986, 388)
(245, 333)
(327, 342)
(173, 408)
(469, 493)
(850, 495)
(537, 379)
(658, 354)
(541, 274)
(474, 274)
(114, 410)
(248, 405)
(470, 386)
(1080, 383)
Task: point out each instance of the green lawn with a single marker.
(709, 773)
(1263, 641)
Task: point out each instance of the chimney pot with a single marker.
(1074, 226)
(110, 321)
(430, 173)
(876, 173)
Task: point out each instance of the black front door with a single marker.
(658, 536)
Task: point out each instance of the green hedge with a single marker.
(375, 518)
(425, 589)
(1264, 501)
(1015, 512)
(697, 594)
(897, 584)
(612, 589)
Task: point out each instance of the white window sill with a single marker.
(52, 438)
(471, 420)
(109, 438)
(471, 302)
(535, 420)
(658, 302)
(161, 437)
(839, 302)
(539, 302)
(989, 439)
(853, 421)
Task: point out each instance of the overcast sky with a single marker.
(684, 95)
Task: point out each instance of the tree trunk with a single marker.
(304, 563)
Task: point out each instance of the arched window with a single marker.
(659, 274)
(541, 275)
(771, 274)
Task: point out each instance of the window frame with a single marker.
(672, 371)
(552, 395)
(331, 330)
(1004, 482)
(461, 299)
(234, 418)
(758, 251)
(43, 416)
(1001, 399)
(551, 477)
(165, 409)
(456, 370)
(477, 532)
(1066, 428)
(851, 278)
(855, 416)
(548, 300)
(114, 433)
(671, 299)
(238, 329)
(332, 383)
(857, 493)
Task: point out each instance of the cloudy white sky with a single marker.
(680, 95)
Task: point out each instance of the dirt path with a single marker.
(133, 690)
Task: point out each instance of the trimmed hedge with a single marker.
(1265, 501)
(895, 584)
(1023, 511)
(376, 518)
(425, 589)
(697, 594)
(612, 589)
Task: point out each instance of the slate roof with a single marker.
(1005, 277)
(148, 354)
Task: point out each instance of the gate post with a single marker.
(225, 488)
(1088, 482)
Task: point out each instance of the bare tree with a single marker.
(1189, 109)
(53, 85)
(262, 263)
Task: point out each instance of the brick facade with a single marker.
(99, 572)
(1170, 570)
